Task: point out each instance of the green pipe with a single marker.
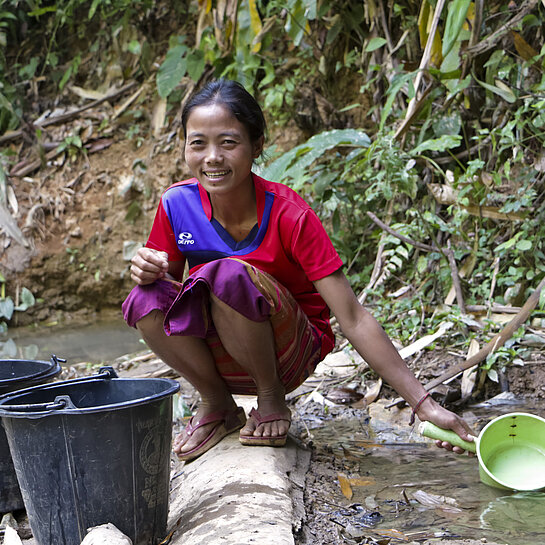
(434, 432)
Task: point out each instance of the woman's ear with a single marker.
(258, 146)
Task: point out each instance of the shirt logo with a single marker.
(185, 238)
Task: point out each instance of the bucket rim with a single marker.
(482, 465)
(52, 367)
(174, 386)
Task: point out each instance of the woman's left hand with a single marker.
(431, 411)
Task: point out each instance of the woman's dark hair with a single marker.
(233, 96)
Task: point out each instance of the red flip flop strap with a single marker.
(218, 416)
(254, 413)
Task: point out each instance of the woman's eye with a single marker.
(196, 143)
(229, 142)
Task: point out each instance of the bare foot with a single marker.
(185, 442)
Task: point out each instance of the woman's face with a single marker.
(218, 149)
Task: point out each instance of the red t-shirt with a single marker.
(289, 241)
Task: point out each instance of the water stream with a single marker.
(98, 342)
(403, 486)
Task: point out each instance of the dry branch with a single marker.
(13, 135)
(455, 278)
(497, 341)
(495, 37)
(424, 62)
(408, 240)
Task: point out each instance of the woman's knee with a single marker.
(151, 323)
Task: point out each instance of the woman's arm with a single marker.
(370, 340)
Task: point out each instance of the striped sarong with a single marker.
(251, 292)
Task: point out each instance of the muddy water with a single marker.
(400, 485)
(99, 342)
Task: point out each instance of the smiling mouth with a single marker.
(217, 174)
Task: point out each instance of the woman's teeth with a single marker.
(216, 174)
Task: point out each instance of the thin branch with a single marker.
(408, 240)
(495, 37)
(69, 115)
(496, 342)
(424, 62)
(455, 278)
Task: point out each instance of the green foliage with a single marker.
(179, 62)
(73, 145)
(8, 307)
(449, 154)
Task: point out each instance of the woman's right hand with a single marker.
(148, 265)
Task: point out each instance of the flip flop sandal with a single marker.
(227, 422)
(265, 440)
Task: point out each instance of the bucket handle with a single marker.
(55, 360)
(62, 401)
(106, 372)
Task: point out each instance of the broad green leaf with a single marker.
(173, 69)
(6, 104)
(438, 144)
(455, 19)
(508, 243)
(524, 245)
(27, 300)
(134, 47)
(195, 64)
(500, 89)
(42, 11)
(29, 70)
(65, 77)
(93, 8)
(375, 43)
(452, 60)
(456, 86)
(312, 9)
(293, 163)
(296, 22)
(421, 264)
(493, 375)
(6, 308)
(448, 125)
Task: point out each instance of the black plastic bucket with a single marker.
(91, 451)
(14, 375)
